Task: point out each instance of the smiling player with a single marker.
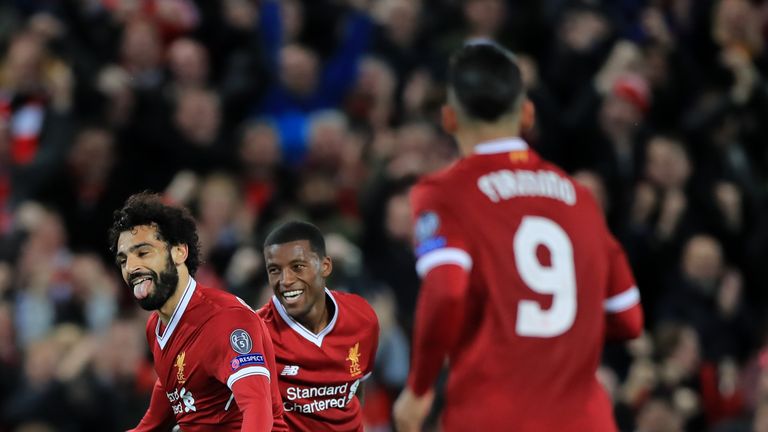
(212, 354)
(325, 341)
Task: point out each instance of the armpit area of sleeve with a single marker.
(246, 372)
(443, 256)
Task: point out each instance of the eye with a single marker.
(299, 267)
(273, 270)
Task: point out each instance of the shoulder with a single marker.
(440, 179)
(584, 197)
(357, 307)
(224, 310)
(267, 312)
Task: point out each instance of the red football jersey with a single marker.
(212, 340)
(320, 373)
(543, 272)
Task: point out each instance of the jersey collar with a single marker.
(501, 145)
(163, 339)
(316, 339)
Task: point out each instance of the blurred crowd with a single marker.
(252, 112)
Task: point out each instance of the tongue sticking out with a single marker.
(142, 290)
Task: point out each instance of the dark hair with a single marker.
(175, 225)
(485, 80)
(295, 231)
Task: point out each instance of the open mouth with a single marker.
(292, 296)
(141, 285)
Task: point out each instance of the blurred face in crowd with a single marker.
(147, 265)
(92, 155)
(260, 148)
(582, 30)
(141, 45)
(485, 17)
(618, 116)
(326, 141)
(22, 70)
(667, 164)
(703, 261)
(401, 18)
(218, 200)
(298, 70)
(297, 277)
(188, 61)
(318, 196)
(198, 116)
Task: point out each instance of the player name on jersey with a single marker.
(506, 184)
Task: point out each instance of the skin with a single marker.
(141, 250)
(294, 266)
(411, 410)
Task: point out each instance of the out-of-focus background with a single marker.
(251, 112)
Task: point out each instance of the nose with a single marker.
(131, 264)
(287, 277)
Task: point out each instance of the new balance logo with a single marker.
(290, 370)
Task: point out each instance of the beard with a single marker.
(165, 286)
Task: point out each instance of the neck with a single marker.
(318, 318)
(473, 133)
(166, 310)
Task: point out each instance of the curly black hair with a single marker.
(175, 225)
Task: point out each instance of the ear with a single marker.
(179, 254)
(449, 119)
(527, 116)
(326, 267)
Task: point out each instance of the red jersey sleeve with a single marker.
(622, 303)
(443, 262)
(159, 416)
(236, 341)
(437, 236)
(371, 358)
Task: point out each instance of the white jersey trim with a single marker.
(163, 339)
(501, 145)
(316, 339)
(443, 256)
(623, 301)
(246, 372)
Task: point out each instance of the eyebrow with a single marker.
(133, 248)
(293, 261)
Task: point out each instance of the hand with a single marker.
(183, 187)
(645, 203)
(728, 199)
(410, 410)
(653, 23)
(625, 57)
(672, 208)
(729, 294)
(60, 83)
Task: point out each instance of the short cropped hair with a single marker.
(297, 231)
(175, 225)
(485, 80)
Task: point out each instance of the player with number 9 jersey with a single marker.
(543, 273)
